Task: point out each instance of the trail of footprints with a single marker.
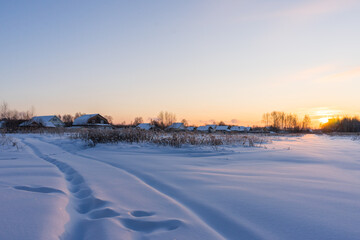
(86, 203)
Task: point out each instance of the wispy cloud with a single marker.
(315, 8)
(329, 73)
(341, 76)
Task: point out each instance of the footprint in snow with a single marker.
(103, 213)
(39, 189)
(150, 226)
(140, 213)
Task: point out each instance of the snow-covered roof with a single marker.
(145, 126)
(203, 128)
(213, 126)
(237, 129)
(222, 128)
(190, 128)
(45, 121)
(83, 120)
(179, 126)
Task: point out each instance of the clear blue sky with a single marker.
(203, 60)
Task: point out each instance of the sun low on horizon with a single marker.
(321, 115)
(324, 120)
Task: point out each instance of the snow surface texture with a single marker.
(295, 188)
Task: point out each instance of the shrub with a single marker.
(6, 141)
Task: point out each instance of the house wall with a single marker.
(98, 120)
(57, 122)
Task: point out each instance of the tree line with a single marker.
(286, 121)
(11, 114)
(345, 124)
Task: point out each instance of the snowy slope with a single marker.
(295, 188)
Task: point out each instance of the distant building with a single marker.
(2, 124)
(145, 126)
(237, 129)
(223, 129)
(213, 126)
(240, 129)
(91, 120)
(207, 128)
(176, 127)
(190, 129)
(247, 129)
(51, 121)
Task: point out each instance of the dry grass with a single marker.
(7, 141)
(95, 136)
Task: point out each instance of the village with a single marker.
(100, 122)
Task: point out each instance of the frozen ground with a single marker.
(295, 188)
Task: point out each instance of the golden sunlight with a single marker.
(322, 115)
(323, 120)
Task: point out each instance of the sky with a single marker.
(202, 60)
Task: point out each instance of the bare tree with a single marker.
(138, 120)
(109, 118)
(165, 119)
(221, 123)
(7, 113)
(79, 114)
(68, 119)
(185, 122)
(266, 119)
(4, 110)
(281, 120)
(306, 122)
(276, 119)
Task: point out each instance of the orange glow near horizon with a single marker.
(322, 115)
(323, 120)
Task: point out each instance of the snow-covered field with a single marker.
(294, 188)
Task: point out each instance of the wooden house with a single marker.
(91, 120)
(176, 127)
(145, 126)
(51, 121)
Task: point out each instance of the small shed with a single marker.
(91, 120)
(145, 126)
(176, 127)
(51, 121)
